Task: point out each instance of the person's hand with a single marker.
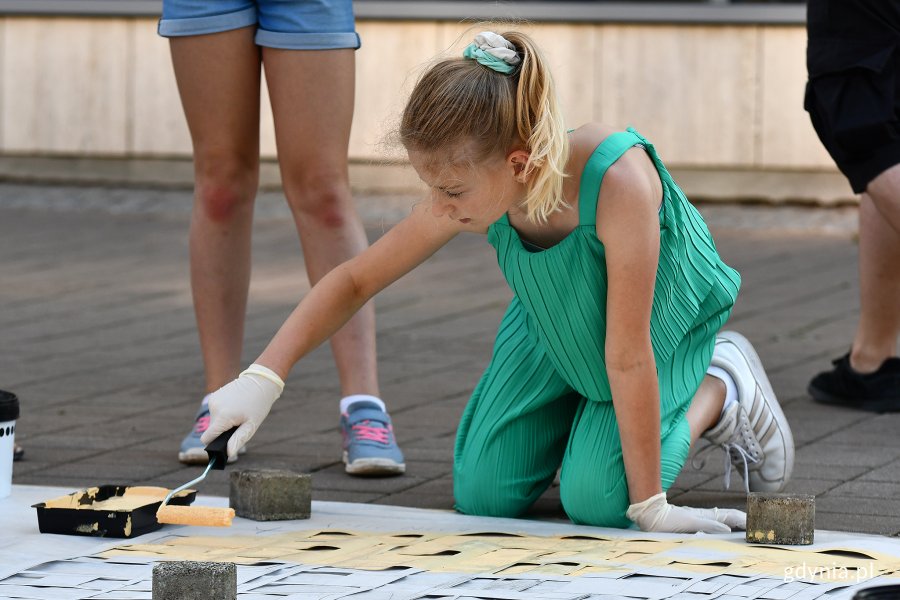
(243, 403)
(656, 514)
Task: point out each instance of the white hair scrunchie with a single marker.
(497, 45)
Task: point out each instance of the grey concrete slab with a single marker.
(816, 487)
(828, 472)
(845, 455)
(718, 499)
(888, 473)
(858, 505)
(868, 489)
(861, 523)
(100, 345)
(344, 496)
(420, 500)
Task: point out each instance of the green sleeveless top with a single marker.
(563, 288)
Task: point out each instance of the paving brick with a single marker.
(797, 485)
(889, 472)
(427, 469)
(416, 453)
(828, 472)
(67, 482)
(436, 386)
(38, 454)
(93, 473)
(270, 495)
(442, 417)
(878, 430)
(438, 486)
(689, 479)
(884, 506)
(816, 487)
(867, 489)
(176, 580)
(334, 478)
(345, 496)
(700, 499)
(781, 518)
(860, 523)
(418, 499)
(845, 455)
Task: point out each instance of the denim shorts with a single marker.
(286, 24)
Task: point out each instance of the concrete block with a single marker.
(270, 495)
(195, 580)
(781, 518)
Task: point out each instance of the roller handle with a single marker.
(218, 450)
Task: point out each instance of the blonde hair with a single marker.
(459, 101)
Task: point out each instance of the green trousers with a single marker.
(524, 421)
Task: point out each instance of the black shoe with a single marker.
(18, 452)
(877, 392)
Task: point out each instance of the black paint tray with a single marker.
(107, 511)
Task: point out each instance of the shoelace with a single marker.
(363, 431)
(745, 456)
(728, 448)
(202, 424)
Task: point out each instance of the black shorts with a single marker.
(853, 92)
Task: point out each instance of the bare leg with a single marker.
(312, 102)
(218, 78)
(885, 192)
(706, 407)
(879, 273)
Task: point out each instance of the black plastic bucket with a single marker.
(881, 592)
(9, 412)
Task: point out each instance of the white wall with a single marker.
(708, 96)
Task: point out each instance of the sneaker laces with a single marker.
(202, 423)
(363, 431)
(733, 452)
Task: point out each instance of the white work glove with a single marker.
(243, 403)
(656, 514)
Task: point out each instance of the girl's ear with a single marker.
(517, 161)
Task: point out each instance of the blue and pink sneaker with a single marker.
(192, 451)
(369, 444)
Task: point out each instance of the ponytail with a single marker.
(540, 125)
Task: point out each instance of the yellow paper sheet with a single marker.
(518, 554)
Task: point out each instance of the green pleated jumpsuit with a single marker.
(544, 400)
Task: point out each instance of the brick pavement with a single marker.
(99, 343)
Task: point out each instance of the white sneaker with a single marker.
(753, 431)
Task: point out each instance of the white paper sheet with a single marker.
(34, 565)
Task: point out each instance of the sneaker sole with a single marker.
(878, 406)
(759, 374)
(373, 466)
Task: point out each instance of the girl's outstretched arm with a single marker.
(246, 401)
(347, 287)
